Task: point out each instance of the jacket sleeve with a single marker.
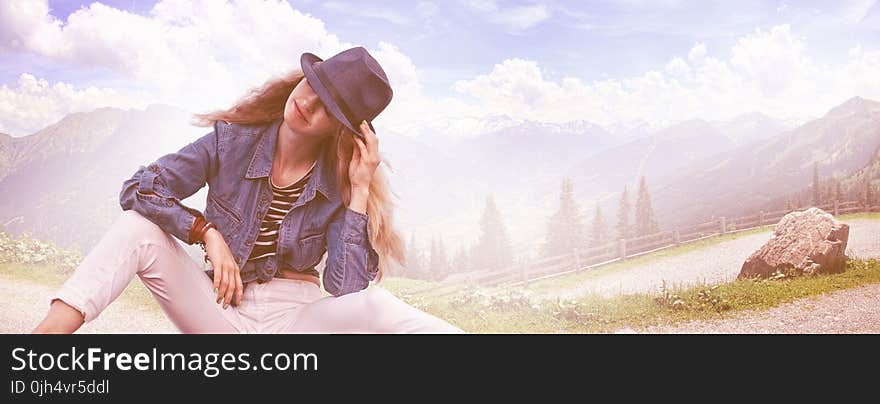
(155, 191)
(351, 260)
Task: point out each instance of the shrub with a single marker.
(28, 250)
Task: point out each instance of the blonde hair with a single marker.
(265, 104)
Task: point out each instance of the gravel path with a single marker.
(845, 311)
(30, 301)
(715, 264)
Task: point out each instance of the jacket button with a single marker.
(169, 203)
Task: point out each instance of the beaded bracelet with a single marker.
(207, 226)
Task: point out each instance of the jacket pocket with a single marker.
(310, 251)
(230, 219)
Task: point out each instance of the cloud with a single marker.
(697, 52)
(677, 67)
(203, 55)
(205, 50)
(768, 71)
(521, 18)
(480, 5)
(27, 25)
(32, 103)
(200, 55)
(772, 60)
(369, 12)
(515, 19)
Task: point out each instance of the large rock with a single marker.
(810, 242)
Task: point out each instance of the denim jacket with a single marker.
(235, 161)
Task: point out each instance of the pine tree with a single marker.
(598, 234)
(438, 262)
(445, 265)
(432, 257)
(460, 261)
(493, 250)
(565, 228)
(645, 223)
(817, 197)
(413, 266)
(623, 214)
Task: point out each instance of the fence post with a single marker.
(676, 238)
(621, 248)
(723, 225)
(836, 208)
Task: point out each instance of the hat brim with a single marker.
(307, 61)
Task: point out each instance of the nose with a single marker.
(311, 102)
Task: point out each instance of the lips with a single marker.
(299, 111)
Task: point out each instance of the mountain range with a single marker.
(68, 175)
(62, 183)
(734, 183)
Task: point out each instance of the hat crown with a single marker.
(352, 80)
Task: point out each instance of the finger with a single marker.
(361, 146)
(230, 290)
(369, 153)
(370, 138)
(363, 152)
(365, 129)
(369, 135)
(223, 284)
(356, 153)
(239, 289)
(216, 278)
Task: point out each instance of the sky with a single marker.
(613, 63)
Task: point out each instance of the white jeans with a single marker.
(136, 246)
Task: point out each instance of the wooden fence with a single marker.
(620, 250)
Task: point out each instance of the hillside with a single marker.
(747, 178)
(66, 178)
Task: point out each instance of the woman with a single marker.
(292, 174)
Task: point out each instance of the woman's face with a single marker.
(305, 114)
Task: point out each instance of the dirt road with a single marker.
(714, 264)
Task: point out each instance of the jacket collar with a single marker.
(264, 155)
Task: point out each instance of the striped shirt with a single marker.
(282, 199)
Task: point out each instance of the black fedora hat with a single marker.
(351, 84)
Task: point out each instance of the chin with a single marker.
(292, 122)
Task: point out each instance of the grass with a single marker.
(866, 215)
(477, 312)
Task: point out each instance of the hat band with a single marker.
(335, 94)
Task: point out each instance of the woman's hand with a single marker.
(364, 160)
(227, 278)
